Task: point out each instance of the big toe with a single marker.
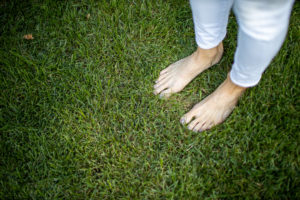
(185, 119)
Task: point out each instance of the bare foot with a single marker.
(175, 77)
(215, 108)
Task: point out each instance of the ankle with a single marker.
(209, 53)
(232, 88)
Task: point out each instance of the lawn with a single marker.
(78, 118)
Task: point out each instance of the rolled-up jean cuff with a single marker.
(242, 80)
(209, 45)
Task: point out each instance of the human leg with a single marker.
(263, 26)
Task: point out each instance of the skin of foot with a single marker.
(215, 108)
(176, 76)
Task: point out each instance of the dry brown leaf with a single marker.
(28, 37)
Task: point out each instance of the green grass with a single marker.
(78, 118)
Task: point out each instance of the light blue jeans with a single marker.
(263, 25)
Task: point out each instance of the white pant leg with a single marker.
(263, 26)
(210, 21)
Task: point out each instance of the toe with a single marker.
(162, 77)
(159, 84)
(166, 93)
(198, 127)
(185, 119)
(189, 115)
(201, 121)
(166, 70)
(160, 88)
(192, 125)
(206, 126)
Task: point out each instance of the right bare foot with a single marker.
(175, 77)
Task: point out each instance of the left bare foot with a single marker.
(215, 108)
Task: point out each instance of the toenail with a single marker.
(182, 121)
